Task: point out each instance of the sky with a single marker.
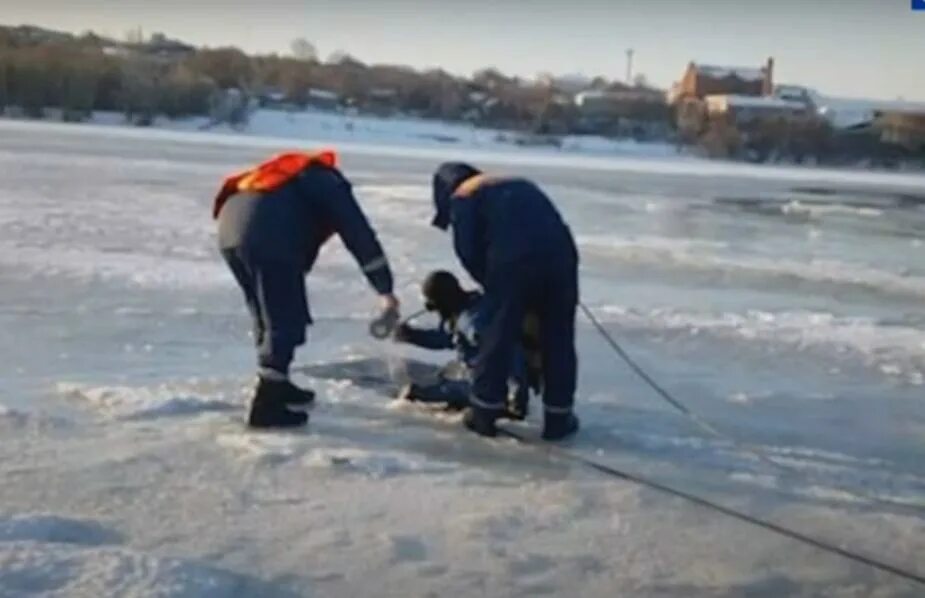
(859, 48)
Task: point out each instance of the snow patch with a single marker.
(8, 414)
(266, 448)
(15, 419)
(603, 242)
(694, 256)
(49, 555)
(740, 398)
(136, 269)
(64, 570)
(895, 350)
(419, 194)
(297, 446)
(819, 455)
(798, 208)
(143, 403)
(52, 528)
(375, 465)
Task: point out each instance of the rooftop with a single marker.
(723, 72)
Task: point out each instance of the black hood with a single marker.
(447, 178)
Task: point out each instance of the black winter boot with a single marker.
(300, 396)
(440, 392)
(482, 421)
(286, 391)
(559, 426)
(269, 406)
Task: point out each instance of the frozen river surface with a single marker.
(786, 307)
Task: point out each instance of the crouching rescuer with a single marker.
(512, 240)
(272, 222)
(461, 327)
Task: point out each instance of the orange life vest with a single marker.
(272, 174)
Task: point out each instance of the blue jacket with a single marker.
(498, 222)
(291, 224)
(462, 334)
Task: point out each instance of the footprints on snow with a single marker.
(52, 556)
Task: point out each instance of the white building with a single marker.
(743, 109)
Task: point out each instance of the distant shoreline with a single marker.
(425, 139)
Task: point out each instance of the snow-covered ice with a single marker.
(66, 570)
(145, 402)
(784, 305)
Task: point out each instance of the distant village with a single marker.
(730, 112)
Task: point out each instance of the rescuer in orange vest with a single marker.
(272, 221)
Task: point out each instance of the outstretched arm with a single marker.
(355, 231)
(435, 339)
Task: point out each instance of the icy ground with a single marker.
(783, 305)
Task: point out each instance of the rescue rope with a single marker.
(639, 480)
(755, 451)
(414, 316)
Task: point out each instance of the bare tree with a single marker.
(302, 49)
(491, 78)
(228, 67)
(340, 57)
(77, 89)
(139, 91)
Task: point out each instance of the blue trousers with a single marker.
(274, 291)
(549, 289)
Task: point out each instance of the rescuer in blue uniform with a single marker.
(512, 240)
(272, 221)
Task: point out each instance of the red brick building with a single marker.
(701, 80)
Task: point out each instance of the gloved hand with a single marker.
(389, 302)
(384, 324)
